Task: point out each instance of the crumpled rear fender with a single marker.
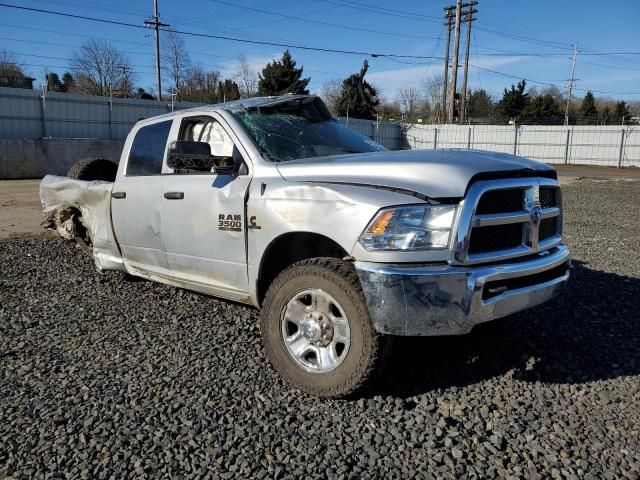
(62, 196)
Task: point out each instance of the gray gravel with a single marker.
(104, 376)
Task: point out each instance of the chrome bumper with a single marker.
(450, 300)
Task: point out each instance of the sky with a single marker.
(515, 38)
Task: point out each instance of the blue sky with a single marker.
(43, 41)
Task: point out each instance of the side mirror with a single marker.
(196, 156)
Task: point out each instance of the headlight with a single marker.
(415, 227)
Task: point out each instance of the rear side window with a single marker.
(147, 151)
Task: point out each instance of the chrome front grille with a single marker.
(502, 219)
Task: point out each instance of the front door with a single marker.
(136, 200)
(203, 224)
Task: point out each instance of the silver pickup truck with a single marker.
(341, 243)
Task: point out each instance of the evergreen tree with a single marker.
(513, 101)
(479, 104)
(542, 109)
(282, 76)
(621, 112)
(228, 91)
(142, 94)
(358, 99)
(68, 83)
(588, 114)
(53, 83)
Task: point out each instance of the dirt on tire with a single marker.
(368, 351)
(91, 169)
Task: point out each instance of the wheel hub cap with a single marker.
(315, 330)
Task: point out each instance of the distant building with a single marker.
(15, 79)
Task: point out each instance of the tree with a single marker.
(479, 104)
(142, 94)
(282, 76)
(176, 62)
(330, 94)
(228, 91)
(358, 98)
(102, 70)
(621, 112)
(11, 74)
(246, 78)
(588, 114)
(554, 92)
(68, 82)
(53, 82)
(200, 85)
(542, 109)
(412, 104)
(433, 88)
(605, 116)
(513, 101)
(389, 110)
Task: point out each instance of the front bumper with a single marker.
(450, 300)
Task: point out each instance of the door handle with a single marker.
(174, 195)
(119, 195)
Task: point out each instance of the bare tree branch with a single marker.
(412, 104)
(101, 69)
(175, 60)
(246, 77)
(330, 93)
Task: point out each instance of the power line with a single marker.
(420, 17)
(305, 47)
(519, 77)
(320, 22)
(297, 46)
(522, 38)
(383, 11)
(222, 37)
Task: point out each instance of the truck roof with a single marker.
(252, 102)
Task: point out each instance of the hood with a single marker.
(434, 173)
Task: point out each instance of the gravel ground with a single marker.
(104, 376)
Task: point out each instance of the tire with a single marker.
(91, 169)
(330, 282)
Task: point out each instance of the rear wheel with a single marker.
(91, 169)
(317, 331)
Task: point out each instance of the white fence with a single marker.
(24, 115)
(615, 146)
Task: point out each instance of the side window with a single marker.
(147, 150)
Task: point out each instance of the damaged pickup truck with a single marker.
(341, 243)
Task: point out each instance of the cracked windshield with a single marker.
(296, 129)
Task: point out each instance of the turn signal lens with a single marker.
(379, 225)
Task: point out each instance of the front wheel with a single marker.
(317, 331)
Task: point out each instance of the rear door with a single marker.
(137, 199)
(203, 215)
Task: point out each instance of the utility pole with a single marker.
(573, 70)
(448, 16)
(155, 22)
(125, 79)
(463, 94)
(454, 66)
